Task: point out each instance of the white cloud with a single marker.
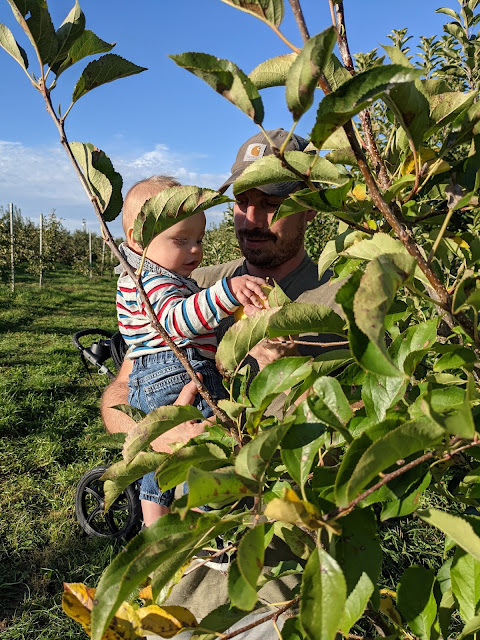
(38, 179)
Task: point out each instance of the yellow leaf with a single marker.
(386, 607)
(425, 156)
(460, 241)
(77, 603)
(290, 508)
(165, 621)
(359, 192)
(146, 593)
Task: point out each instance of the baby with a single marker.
(187, 313)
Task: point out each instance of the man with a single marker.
(276, 252)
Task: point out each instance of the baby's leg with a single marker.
(151, 511)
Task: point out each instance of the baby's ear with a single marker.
(136, 246)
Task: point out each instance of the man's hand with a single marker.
(185, 431)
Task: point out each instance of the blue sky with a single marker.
(163, 120)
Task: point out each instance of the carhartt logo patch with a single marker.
(254, 152)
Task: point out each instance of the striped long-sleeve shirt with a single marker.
(188, 313)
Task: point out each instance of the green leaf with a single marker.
(155, 424)
(380, 393)
(383, 277)
(460, 358)
(319, 201)
(357, 549)
(276, 378)
(356, 602)
(323, 596)
(470, 628)
(445, 107)
(301, 317)
(270, 11)
(408, 503)
(107, 68)
(69, 31)
(242, 594)
(355, 452)
(174, 469)
(397, 56)
(171, 206)
(205, 487)
(299, 542)
(459, 529)
(331, 405)
(11, 46)
(87, 44)
(402, 442)
(299, 448)
(226, 79)
(220, 619)
(336, 73)
(411, 108)
(465, 575)
(251, 554)
(87, 155)
(355, 95)
(270, 169)
(272, 72)
(120, 475)
(240, 338)
(415, 600)
(303, 75)
(253, 459)
(38, 26)
(457, 420)
(409, 347)
(167, 537)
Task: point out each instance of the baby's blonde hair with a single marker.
(139, 194)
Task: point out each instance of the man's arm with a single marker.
(118, 422)
(117, 393)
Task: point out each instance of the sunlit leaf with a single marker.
(270, 169)
(226, 79)
(69, 31)
(323, 596)
(355, 95)
(35, 20)
(107, 68)
(458, 528)
(303, 75)
(291, 509)
(165, 621)
(11, 46)
(465, 576)
(272, 72)
(267, 10)
(155, 424)
(87, 44)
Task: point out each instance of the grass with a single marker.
(50, 434)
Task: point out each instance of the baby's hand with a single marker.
(248, 291)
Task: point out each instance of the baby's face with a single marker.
(179, 248)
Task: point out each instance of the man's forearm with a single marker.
(117, 393)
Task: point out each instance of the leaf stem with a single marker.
(440, 235)
(257, 623)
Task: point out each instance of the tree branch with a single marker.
(257, 623)
(338, 19)
(299, 19)
(202, 390)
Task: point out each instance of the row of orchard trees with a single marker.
(40, 247)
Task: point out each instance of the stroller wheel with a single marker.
(122, 520)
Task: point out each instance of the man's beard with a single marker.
(276, 253)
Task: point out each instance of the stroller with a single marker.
(123, 519)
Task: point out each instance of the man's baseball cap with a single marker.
(258, 147)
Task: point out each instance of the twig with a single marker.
(299, 19)
(440, 235)
(257, 623)
(391, 476)
(338, 20)
(314, 344)
(209, 558)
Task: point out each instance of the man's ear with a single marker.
(310, 215)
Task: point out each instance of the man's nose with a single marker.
(255, 217)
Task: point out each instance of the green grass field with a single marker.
(50, 434)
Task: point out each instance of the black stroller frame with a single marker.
(123, 519)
